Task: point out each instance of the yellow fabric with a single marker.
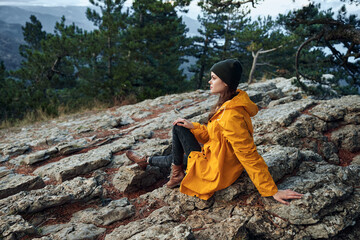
(228, 149)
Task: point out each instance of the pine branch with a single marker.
(297, 56)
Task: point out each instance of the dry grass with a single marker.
(63, 111)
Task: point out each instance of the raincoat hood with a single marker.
(242, 100)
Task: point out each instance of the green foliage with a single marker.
(129, 54)
(217, 37)
(322, 32)
(270, 47)
(50, 68)
(138, 52)
(33, 33)
(156, 43)
(11, 96)
(104, 75)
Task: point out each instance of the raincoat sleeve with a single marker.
(200, 132)
(237, 133)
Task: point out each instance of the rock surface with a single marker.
(75, 165)
(161, 224)
(14, 183)
(69, 178)
(78, 189)
(72, 231)
(14, 227)
(116, 210)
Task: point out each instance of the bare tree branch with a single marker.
(266, 64)
(222, 5)
(331, 32)
(237, 4)
(56, 63)
(298, 73)
(255, 58)
(343, 59)
(270, 50)
(323, 21)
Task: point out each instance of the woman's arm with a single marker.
(236, 131)
(184, 123)
(200, 131)
(283, 195)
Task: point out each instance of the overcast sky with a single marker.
(47, 3)
(266, 7)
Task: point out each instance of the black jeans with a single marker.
(183, 141)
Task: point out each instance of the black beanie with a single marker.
(229, 71)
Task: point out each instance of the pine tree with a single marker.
(322, 31)
(4, 92)
(12, 97)
(217, 40)
(49, 70)
(156, 42)
(203, 49)
(271, 50)
(106, 49)
(33, 34)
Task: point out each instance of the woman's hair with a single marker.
(228, 94)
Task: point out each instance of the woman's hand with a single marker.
(282, 195)
(184, 123)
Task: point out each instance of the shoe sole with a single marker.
(173, 186)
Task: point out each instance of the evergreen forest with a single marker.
(136, 53)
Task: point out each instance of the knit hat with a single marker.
(229, 71)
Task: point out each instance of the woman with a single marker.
(228, 144)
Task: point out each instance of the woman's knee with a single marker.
(178, 129)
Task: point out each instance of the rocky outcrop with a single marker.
(75, 165)
(73, 180)
(78, 189)
(116, 210)
(14, 227)
(132, 178)
(13, 183)
(161, 224)
(72, 231)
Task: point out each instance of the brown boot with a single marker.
(177, 175)
(141, 161)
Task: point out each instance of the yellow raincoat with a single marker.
(228, 149)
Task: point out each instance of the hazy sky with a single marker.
(48, 3)
(266, 7)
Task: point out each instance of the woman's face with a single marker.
(216, 84)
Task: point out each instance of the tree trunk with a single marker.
(201, 75)
(255, 57)
(202, 68)
(110, 57)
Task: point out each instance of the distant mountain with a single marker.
(10, 39)
(192, 24)
(12, 18)
(48, 16)
(72, 14)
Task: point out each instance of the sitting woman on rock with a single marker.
(228, 145)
